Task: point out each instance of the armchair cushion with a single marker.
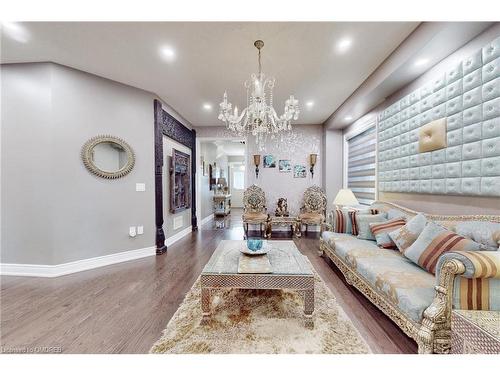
(255, 216)
(312, 216)
(433, 242)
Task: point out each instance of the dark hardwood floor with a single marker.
(123, 308)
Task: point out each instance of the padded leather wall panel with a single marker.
(472, 80)
(491, 70)
(491, 109)
(468, 97)
(473, 114)
(472, 62)
(491, 89)
(453, 74)
(454, 121)
(490, 147)
(472, 97)
(491, 51)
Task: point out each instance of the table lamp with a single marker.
(345, 197)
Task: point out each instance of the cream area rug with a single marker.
(260, 321)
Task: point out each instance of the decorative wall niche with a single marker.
(468, 98)
(180, 182)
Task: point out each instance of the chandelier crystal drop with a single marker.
(259, 117)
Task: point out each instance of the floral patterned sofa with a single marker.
(419, 302)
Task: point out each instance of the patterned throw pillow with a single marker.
(381, 231)
(344, 218)
(363, 223)
(433, 242)
(408, 233)
(353, 215)
(486, 233)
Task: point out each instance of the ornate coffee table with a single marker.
(283, 221)
(290, 270)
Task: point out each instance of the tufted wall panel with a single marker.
(468, 97)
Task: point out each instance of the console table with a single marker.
(283, 221)
(222, 204)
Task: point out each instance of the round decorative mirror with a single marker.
(108, 157)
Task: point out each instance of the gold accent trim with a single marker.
(493, 218)
(88, 148)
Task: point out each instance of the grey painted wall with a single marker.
(295, 146)
(332, 163)
(54, 210)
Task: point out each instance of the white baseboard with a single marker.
(55, 270)
(206, 219)
(176, 237)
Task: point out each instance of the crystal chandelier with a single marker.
(259, 117)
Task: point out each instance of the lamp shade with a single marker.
(222, 181)
(256, 160)
(345, 197)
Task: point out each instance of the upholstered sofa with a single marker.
(419, 302)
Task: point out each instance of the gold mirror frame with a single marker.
(88, 147)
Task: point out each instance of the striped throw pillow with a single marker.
(381, 232)
(435, 241)
(344, 219)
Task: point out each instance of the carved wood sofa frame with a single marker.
(433, 334)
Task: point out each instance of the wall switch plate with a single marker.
(140, 186)
(131, 232)
(140, 229)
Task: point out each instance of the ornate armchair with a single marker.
(254, 206)
(313, 209)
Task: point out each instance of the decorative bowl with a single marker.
(255, 246)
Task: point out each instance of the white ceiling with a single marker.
(217, 56)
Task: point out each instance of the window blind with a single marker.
(361, 165)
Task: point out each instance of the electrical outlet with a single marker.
(140, 229)
(140, 186)
(132, 232)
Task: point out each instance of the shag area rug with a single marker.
(260, 321)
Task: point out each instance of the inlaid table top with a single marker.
(284, 257)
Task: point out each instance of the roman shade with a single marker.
(361, 152)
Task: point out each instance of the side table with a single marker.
(283, 221)
(475, 332)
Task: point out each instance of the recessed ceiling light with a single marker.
(348, 118)
(344, 44)
(16, 31)
(310, 104)
(207, 106)
(421, 62)
(168, 53)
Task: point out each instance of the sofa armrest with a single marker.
(452, 266)
(477, 264)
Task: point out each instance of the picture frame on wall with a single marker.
(299, 171)
(285, 166)
(269, 161)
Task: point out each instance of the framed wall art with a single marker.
(285, 166)
(299, 171)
